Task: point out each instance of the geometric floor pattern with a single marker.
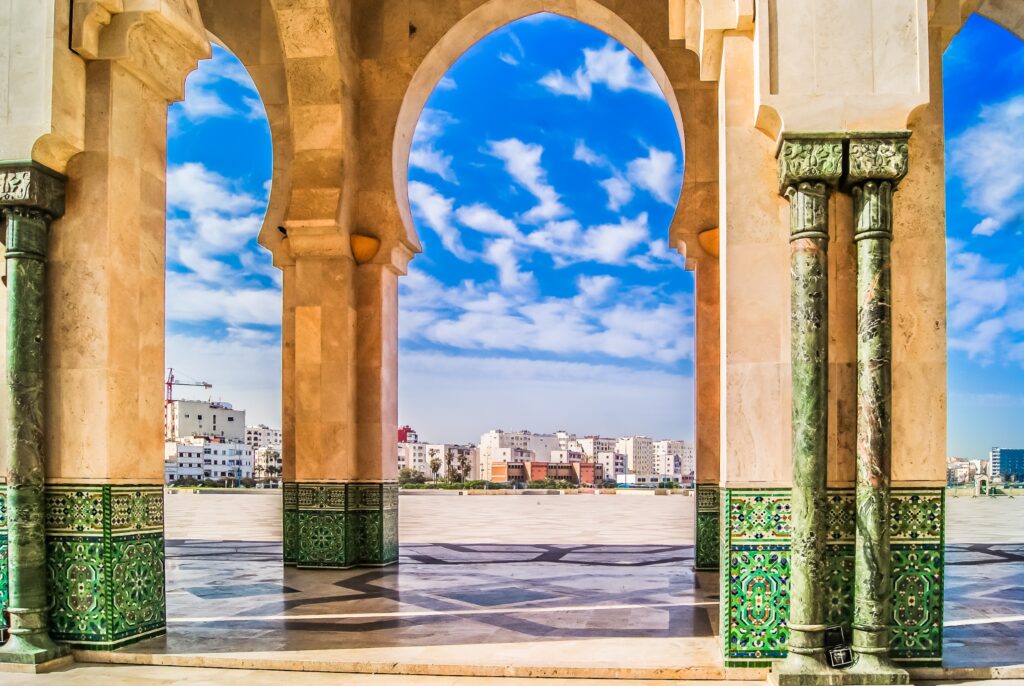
(234, 593)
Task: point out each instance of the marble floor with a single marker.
(492, 580)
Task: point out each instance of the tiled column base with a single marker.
(105, 561)
(4, 596)
(340, 525)
(755, 572)
(707, 535)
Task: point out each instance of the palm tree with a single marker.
(435, 463)
(464, 465)
(449, 463)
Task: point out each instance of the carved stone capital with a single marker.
(31, 186)
(158, 41)
(817, 159)
(878, 158)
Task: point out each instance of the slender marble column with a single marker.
(30, 196)
(809, 167)
(876, 166)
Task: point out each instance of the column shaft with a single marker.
(26, 235)
(809, 331)
(876, 165)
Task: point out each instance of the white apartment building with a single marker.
(567, 456)
(259, 435)
(493, 443)
(673, 457)
(267, 461)
(592, 445)
(995, 463)
(417, 456)
(639, 452)
(204, 418)
(202, 458)
(611, 462)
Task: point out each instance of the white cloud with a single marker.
(486, 220)
(658, 174)
(659, 255)
(619, 191)
(202, 99)
(612, 66)
(193, 188)
(988, 159)
(431, 125)
(583, 153)
(985, 307)
(522, 162)
(427, 158)
(436, 211)
(568, 242)
(504, 253)
(600, 318)
(191, 299)
(508, 59)
(447, 83)
(590, 398)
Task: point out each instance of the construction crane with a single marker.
(171, 383)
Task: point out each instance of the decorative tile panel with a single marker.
(340, 525)
(706, 522)
(4, 551)
(290, 525)
(755, 580)
(105, 563)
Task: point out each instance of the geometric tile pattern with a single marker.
(105, 564)
(340, 525)
(755, 561)
(3, 548)
(918, 570)
(706, 523)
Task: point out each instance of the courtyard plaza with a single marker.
(587, 586)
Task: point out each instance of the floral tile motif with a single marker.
(341, 525)
(3, 548)
(105, 564)
(755, 548)
(706, 523)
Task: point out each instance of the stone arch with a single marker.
(395, 89)
(1007, 13)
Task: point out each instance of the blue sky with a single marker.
(543, 178)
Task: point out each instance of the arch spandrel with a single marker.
(1007, 13)
(383, 203)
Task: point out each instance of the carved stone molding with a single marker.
(878, 158)
(159, 41)
(818, 159)
(30, 185)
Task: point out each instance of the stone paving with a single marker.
(585, 580)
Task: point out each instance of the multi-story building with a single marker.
(639, 452)
(567, 456)
(592, 445)
(406, 434)
(413, 455)
(267, 462)
(204, 418)
(675, 458)
(494, 442)
(202, 457)
(259, 435)
(417, 456)
(612, 463)
(531, 470)
(1007, 463)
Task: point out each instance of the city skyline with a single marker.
(223, 295)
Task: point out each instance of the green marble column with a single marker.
(809, 168)
(875, 167)
(30, 197)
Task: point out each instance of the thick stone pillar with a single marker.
(876, 165)
(708, 417)
(30, 197)
(808, 169)
(340, 499)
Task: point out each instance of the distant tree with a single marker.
(449, 463)
(463, 466)
(410, 476)
(435, 463)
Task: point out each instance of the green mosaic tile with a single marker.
(706, 524)
(322, 539)
(105, 564)
(340, 525)
(754, 550)
(290, 523)
(4, 552)
(917, 573)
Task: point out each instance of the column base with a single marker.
(705, 555)
(755, 574)
(40, 663)
(105, 562)
(821, 675)
(341, 525)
